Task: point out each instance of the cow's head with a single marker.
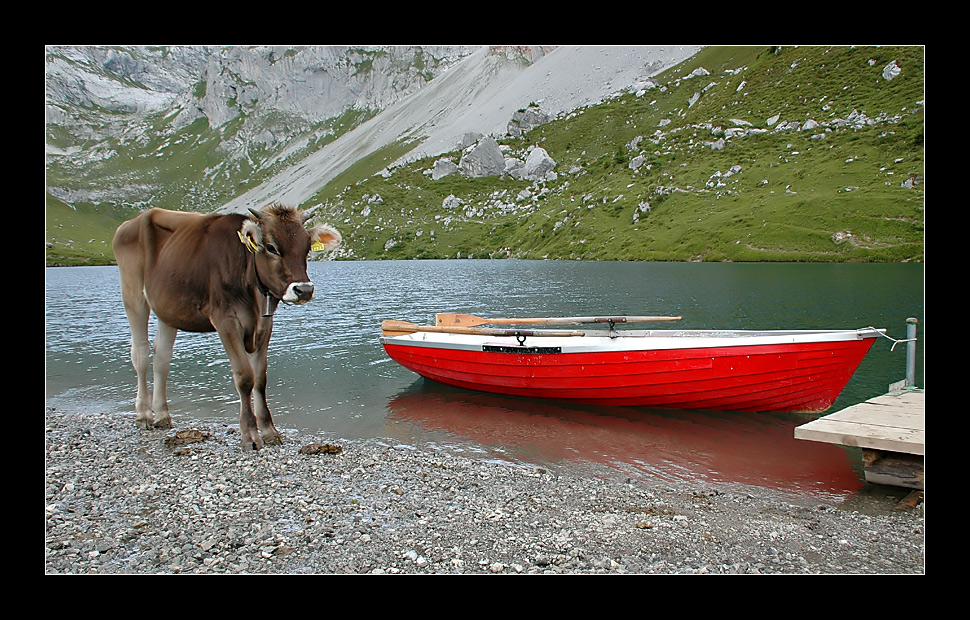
(282, 244)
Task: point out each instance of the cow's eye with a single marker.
(272, 249)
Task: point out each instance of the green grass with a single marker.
(80, 235)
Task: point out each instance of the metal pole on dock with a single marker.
(911, 352)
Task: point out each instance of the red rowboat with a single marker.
(792, 370)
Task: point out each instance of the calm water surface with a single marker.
(329, 374)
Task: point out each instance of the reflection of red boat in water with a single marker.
(794, 370)
(726, 447)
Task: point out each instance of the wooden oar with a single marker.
(399, 328)
(470, 320)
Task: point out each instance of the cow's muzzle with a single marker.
(298, 293)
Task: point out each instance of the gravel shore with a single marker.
(119, 500)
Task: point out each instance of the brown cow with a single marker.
(224, 273)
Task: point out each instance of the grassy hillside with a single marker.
(81, 235)
(713, 180)
(809, 195)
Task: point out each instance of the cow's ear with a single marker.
(251, 235)
(324, 238)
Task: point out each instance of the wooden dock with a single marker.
(890, 429)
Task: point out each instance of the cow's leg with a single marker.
(164, 344)
(264, 419)
(140, 359)
(244, 380)
(137, 310)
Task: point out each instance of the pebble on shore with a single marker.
(119, 500)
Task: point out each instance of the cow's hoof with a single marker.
(273, 439)
(164, 423)
(144, 423)
(252, 445)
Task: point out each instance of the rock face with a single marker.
(127, 81)
(259, 109)
(221, 83)
(318, 82)
(443, 168)
(891, 71)
(484, 159)
(538, 166)
(524, 120)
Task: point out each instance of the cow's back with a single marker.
(170, 256)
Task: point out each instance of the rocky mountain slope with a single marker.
(186, 127)
(293, 117)
(646, 153)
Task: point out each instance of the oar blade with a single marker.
(454, 318)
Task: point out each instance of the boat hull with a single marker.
(746, 371)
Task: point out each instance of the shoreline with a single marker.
(119, 500)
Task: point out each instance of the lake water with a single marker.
(329, 374)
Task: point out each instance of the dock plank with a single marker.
(880, 415)
(892, 422)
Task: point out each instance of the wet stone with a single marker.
(120, 500)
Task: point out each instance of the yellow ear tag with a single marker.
(248, 242)
(317, 247)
